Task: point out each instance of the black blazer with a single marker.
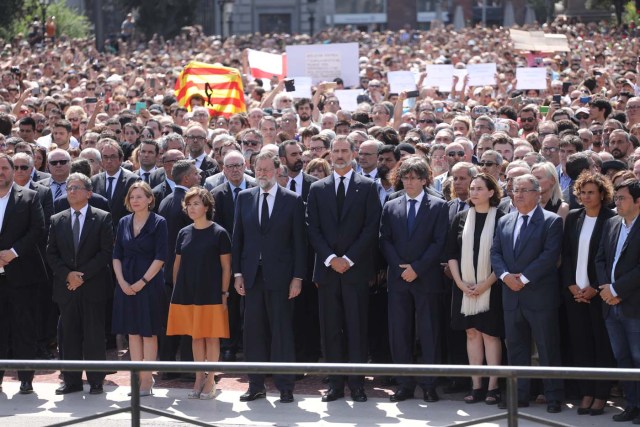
(422, 248)
(23, 226)
(430, 191)
(96, 200)
(46, 200)
(218, 179)
(282, 246)
(208, 167)
(116, 205)
(171, 210)
(307, 180)
(572, 227)
(627, 274)
(160, 192)
(453, 207)
(354, 234)
(157, 177)
(39, 176)
(93, 257)
(225, 208)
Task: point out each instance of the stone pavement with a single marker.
(44, 408)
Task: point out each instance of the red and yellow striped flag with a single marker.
(221, 88)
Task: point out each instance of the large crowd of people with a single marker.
(486, 225)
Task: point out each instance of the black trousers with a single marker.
(83, 323)
(17, 324)
(306, 324)
(268, 331)
(234, 308)
(344, 318)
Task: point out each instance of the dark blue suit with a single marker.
(343, 298)
(420, 299)
(532, 311)
(268, 259)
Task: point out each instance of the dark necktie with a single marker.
(411, 216)
(264, 217)
(340, 196)
(235, 194)
(145, 176)
(110, 187)
(366, 175)
(58, 190)
(461, 206)
(292, 185)
(76, 230)
(525, 219)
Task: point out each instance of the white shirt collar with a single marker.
(272, 191)
(347, 176)
(418, 198)
(116, 175)
(83, 211)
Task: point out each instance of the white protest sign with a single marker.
(325, 62)
(303, 87)
(401, 80)
(531, 78)
(461, 73)
(482, 74)
(348, 98)
(439, 76)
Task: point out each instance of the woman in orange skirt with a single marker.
(202, 273)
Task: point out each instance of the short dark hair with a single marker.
(81, 166)
(180, 169)
(151, 142)
(633, 185)
(577, 163)
(390, 149)
(416, 165)
(303, 101)
(282, 152)
(491, 184)
(27, 121)
(602, 104)
(205, 196)
(62, 123)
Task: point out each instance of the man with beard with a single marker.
(304, 108)
(388, 158)
(620, 145)
(306, 324)
(269, 254)
(528, 120)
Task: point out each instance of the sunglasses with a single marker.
(426, 121)
(528, 119)
(455, 153)
(582, 116)
(251, 143)
(58, 162)
(21, 167)
(487, 164)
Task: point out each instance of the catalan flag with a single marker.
(221, 88)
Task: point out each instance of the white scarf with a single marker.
(479, 304)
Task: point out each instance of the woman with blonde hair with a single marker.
(550, 191)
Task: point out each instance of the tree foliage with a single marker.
(69, 22)
(165, 17)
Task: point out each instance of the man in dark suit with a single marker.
(186, 176)
(269, 261)
(96, 200)
(306, 318)
(39, 176)
(196, 138)
(343, 213)
(412, 239)
(524, 255)
(79, 253)
(225, 196)
(21, 269)
(165, 187)
(148, 152)
(115, 181)
(59, 164)
(618, 270)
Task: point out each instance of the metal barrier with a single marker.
(511, 373)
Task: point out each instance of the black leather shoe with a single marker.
(26, 387)
(503, 404)
(554, 406)
(332, 394)
(286, 396)
(401, 395)
(228, 356)
(431, 395)
(629, 414)
(68, 388)
(250, 396)
(96, 389)
(358, 395)
(584, 411)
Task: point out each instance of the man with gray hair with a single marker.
(59, 165)
(524, 255)
(94, 158)
(491, 164)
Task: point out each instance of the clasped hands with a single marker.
(131, 289)
(582, 295)
(339, 265)
(74, 280)
(607, 295)
(473, 289)
(514, 282)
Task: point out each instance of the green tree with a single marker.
(165, 17)
(68, 21)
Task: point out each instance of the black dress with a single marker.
(490, 322)
(140, 314)
(196, 304)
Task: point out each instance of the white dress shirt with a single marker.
(347, 179)
(271, 198)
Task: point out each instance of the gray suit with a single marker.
(214, 180)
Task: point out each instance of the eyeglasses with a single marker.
(487, 164)
(195, 138)
(21, 167)
(250, 142)
(550, 149)
(317, 148)
(455, 153)
(58, 162)
(287, 120)
(524, 191)
(73, 188)
(200, 115)
(109, 158)
(234, 166)
(528, 119)
(619, 198)
(426, 121)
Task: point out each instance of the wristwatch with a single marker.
(146, 282)
(225, 294)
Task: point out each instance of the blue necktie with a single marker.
(110, 187)
(411, 217)
(525, 219)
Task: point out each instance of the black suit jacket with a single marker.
(627, 274)
(572, 227)
(93, 257)
(421, 248)
(353, 235)
(39, 176)
(208, 167)
(307, 180)
(116, 204)
(171, 210)
(23, 226)
(225, 208)
(46, 200)
(282, 245)
(430, 191)
(505, 205)
(160, 192)
(96, 200)
(454, 208)
(157, 177)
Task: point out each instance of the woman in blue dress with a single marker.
(138, 258)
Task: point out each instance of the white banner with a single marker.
(325, 62)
